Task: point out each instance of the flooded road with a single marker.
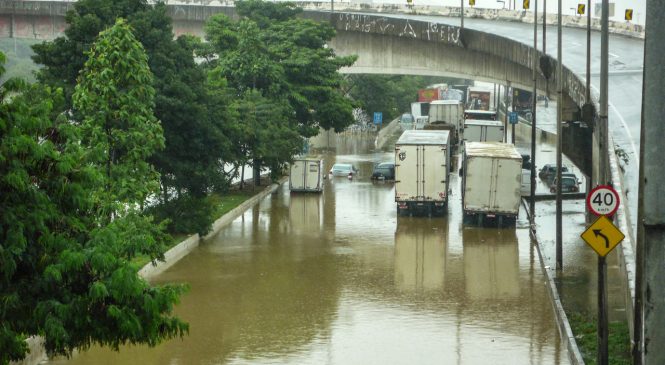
(338, 278)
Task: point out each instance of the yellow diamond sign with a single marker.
(603, 236)
(580, 9)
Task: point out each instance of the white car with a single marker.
(343, 169)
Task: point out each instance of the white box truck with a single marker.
(419, 109)
(306, 175)
(483, 131)
(422, 162)
(448, 112)
(491, 181)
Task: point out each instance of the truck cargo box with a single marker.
(491, 181)
(422, 162)
(448, 112)
(306, 175)
(483, 131)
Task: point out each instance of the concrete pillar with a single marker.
(651, 205)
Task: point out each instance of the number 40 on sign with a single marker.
(603, 200)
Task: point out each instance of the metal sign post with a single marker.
(603, 236)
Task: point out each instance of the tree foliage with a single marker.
(195, 140)
(283, 62)
(65, 271)
(115, 98)
(390, 94)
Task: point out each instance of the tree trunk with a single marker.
(257, 172)
(242, 177)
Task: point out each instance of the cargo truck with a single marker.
(306, 175)
(422, 163)
(491, 181)
(479, 98)
(449, 112)
(482, 131)
(419, 109)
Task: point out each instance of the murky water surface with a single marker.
(337, 278)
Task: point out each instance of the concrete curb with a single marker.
(565, 331)
(181, 250)
(382, 137)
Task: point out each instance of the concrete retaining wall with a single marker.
(385, 133)
(181, 250)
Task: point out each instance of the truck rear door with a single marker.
(407, 172)
(313, 175)
(434, 172)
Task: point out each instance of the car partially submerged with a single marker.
(343, 169)
(569, 183)
(548, 172)
(384, 171)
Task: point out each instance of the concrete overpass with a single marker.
(490, 50)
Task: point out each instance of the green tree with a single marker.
(286, 60)
(195, 140)
(390, 94)
(65, 271)
(115, 98)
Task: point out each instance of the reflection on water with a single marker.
(491, 263)
(336, 278)
(420, 253)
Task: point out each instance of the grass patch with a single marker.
(584, 328)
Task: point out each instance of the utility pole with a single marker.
(505, 114)
(651, 215)
(462, 15)
(588, 51)
(603, 177)
(494, 99)
(544, 27)
(532, 201)
(559, 139)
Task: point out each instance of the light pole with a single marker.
(559, 139)
(532, 201)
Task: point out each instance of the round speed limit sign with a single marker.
(603, 200)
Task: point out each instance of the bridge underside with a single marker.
(384, 46)
(384, 54)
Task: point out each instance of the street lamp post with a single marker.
(532, 200)
(559, 140)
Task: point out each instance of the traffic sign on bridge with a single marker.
(580, 9)
(603, 236)
(603, 200)
(629, 14)
(525, 4)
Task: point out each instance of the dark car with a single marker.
(384, 171)
(548, 172)
(569, 184)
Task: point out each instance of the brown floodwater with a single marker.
(338, 278)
